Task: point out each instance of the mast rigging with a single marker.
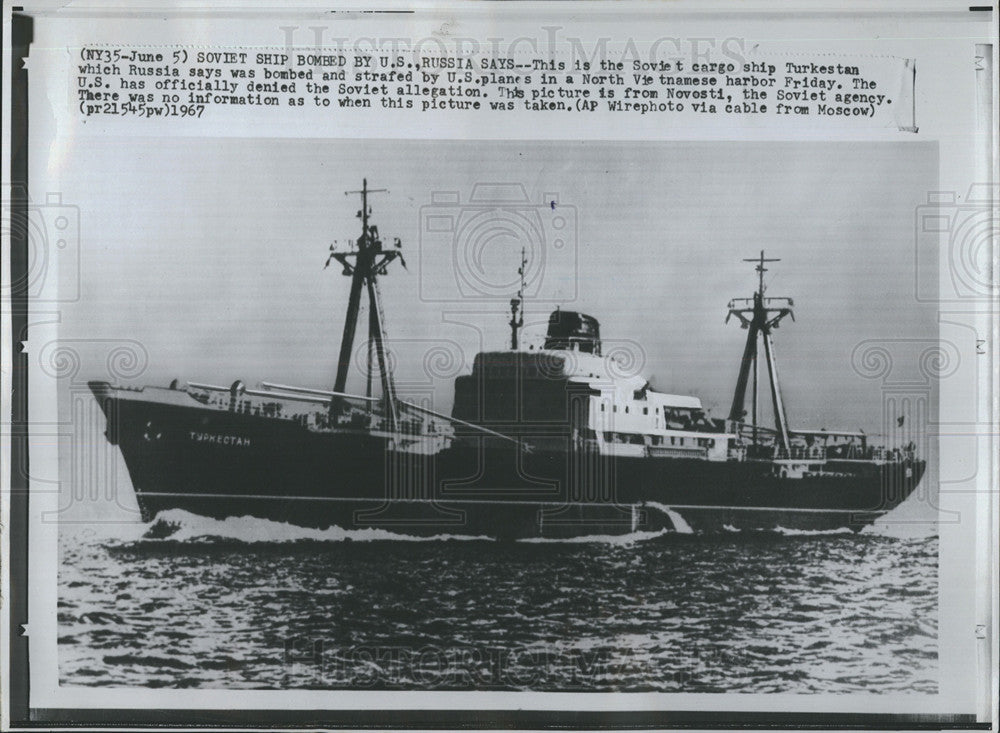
(760, 315)
(365, 261)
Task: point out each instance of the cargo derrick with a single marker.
(760, 315)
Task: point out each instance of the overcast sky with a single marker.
(211, 253)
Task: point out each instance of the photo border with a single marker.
(20, 715)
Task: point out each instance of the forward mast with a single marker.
(366, 259)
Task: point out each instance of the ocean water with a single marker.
(246, 603)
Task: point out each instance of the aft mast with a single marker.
(760, 315)
(363, 263)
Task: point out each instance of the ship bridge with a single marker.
(569, 387)
(572, 331)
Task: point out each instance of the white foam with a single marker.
(680, 525)
(252, 529)
(811, 532)
(609, 539)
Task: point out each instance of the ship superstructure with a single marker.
(568, 392)
(555, 440)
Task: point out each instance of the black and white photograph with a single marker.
(539, 416)
(431, 383)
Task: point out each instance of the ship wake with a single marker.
(178, 525)
(630, 538)
(793, 532)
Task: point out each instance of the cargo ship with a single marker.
(555, 441)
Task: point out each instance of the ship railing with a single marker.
(799, 452)
(402, 403)
(875, 454)
(237, 399)
(286, 396)
(856, 449)
(292, 392)
(760, 436)
(308, 394)
(208, 387)
(322, 396)
(804, 452)
(282, 392)
(737, 453)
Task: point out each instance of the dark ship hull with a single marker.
(222, 464)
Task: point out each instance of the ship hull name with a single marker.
(234, 440)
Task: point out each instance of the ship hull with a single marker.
(222, 464)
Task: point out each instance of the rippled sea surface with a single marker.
(252, 604)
